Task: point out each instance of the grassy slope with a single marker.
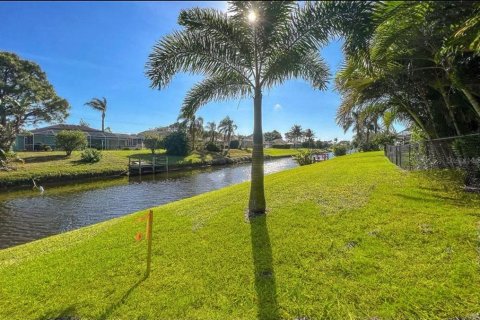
(43, 165)
(353, 237)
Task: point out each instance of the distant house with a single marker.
(247, 142)
(269, 144)
(37, 139)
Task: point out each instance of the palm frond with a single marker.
(98, 104)
(216, 88)
(296, 64)
(215, 23)
(193, 52)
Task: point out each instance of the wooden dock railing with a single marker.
(142, 165)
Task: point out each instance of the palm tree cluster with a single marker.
(298, 135)
(199, 134)
(417, 63)
(255, 47)
(227, 127)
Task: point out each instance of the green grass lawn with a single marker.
(55, 165)
(281, 152)
(349, 238)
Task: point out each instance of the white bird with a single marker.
(41, 189)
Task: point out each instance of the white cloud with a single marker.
(277, 107)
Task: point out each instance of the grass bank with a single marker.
(353, 237)
(55, 166)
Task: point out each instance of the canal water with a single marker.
(28, 215)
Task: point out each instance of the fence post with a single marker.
(409, 157)
(400, 155)
(149, 241)
(396, 155)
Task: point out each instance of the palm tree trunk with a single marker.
(450, 110)
(229, 140)
(257, 204)
(103, 121)
(472, 100)
(418, 121)
(193, 140)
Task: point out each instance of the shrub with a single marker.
(303, 157)
(368, 146)
(234, 144)
(176, 144)
(47, 148)
(339, 150)
(7, 158)
(383, 139)
(153, 141)
(212, 147)
(91, 155)
(281, 146)
(71, 140)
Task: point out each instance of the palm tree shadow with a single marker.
(117, 304)
(263, 266)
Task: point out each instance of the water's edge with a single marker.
(22, 184)
(70, 206)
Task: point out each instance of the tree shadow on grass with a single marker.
(68, 313)
(45, 158)
(263, 267)
(122, 300)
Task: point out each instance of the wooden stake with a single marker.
(149, 241)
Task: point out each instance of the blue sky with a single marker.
(99, 49)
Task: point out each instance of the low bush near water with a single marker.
(339, 150)
(91, 155)
(303, 157)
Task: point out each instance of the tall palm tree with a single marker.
(309, 135)
(212, 130)
(227, 127)
(100, 105)
(194, 127)
(257, 46)
(296, 133)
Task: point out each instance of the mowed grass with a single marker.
(349, 238)
(281, 152)
(55, 165)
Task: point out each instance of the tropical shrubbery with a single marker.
(177, 144)
(91, 155)
(70, 140)
(339, 150)
(7, 158)
(414, 62)
(304, 157)
(212, 147)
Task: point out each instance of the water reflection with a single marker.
(27, 215)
